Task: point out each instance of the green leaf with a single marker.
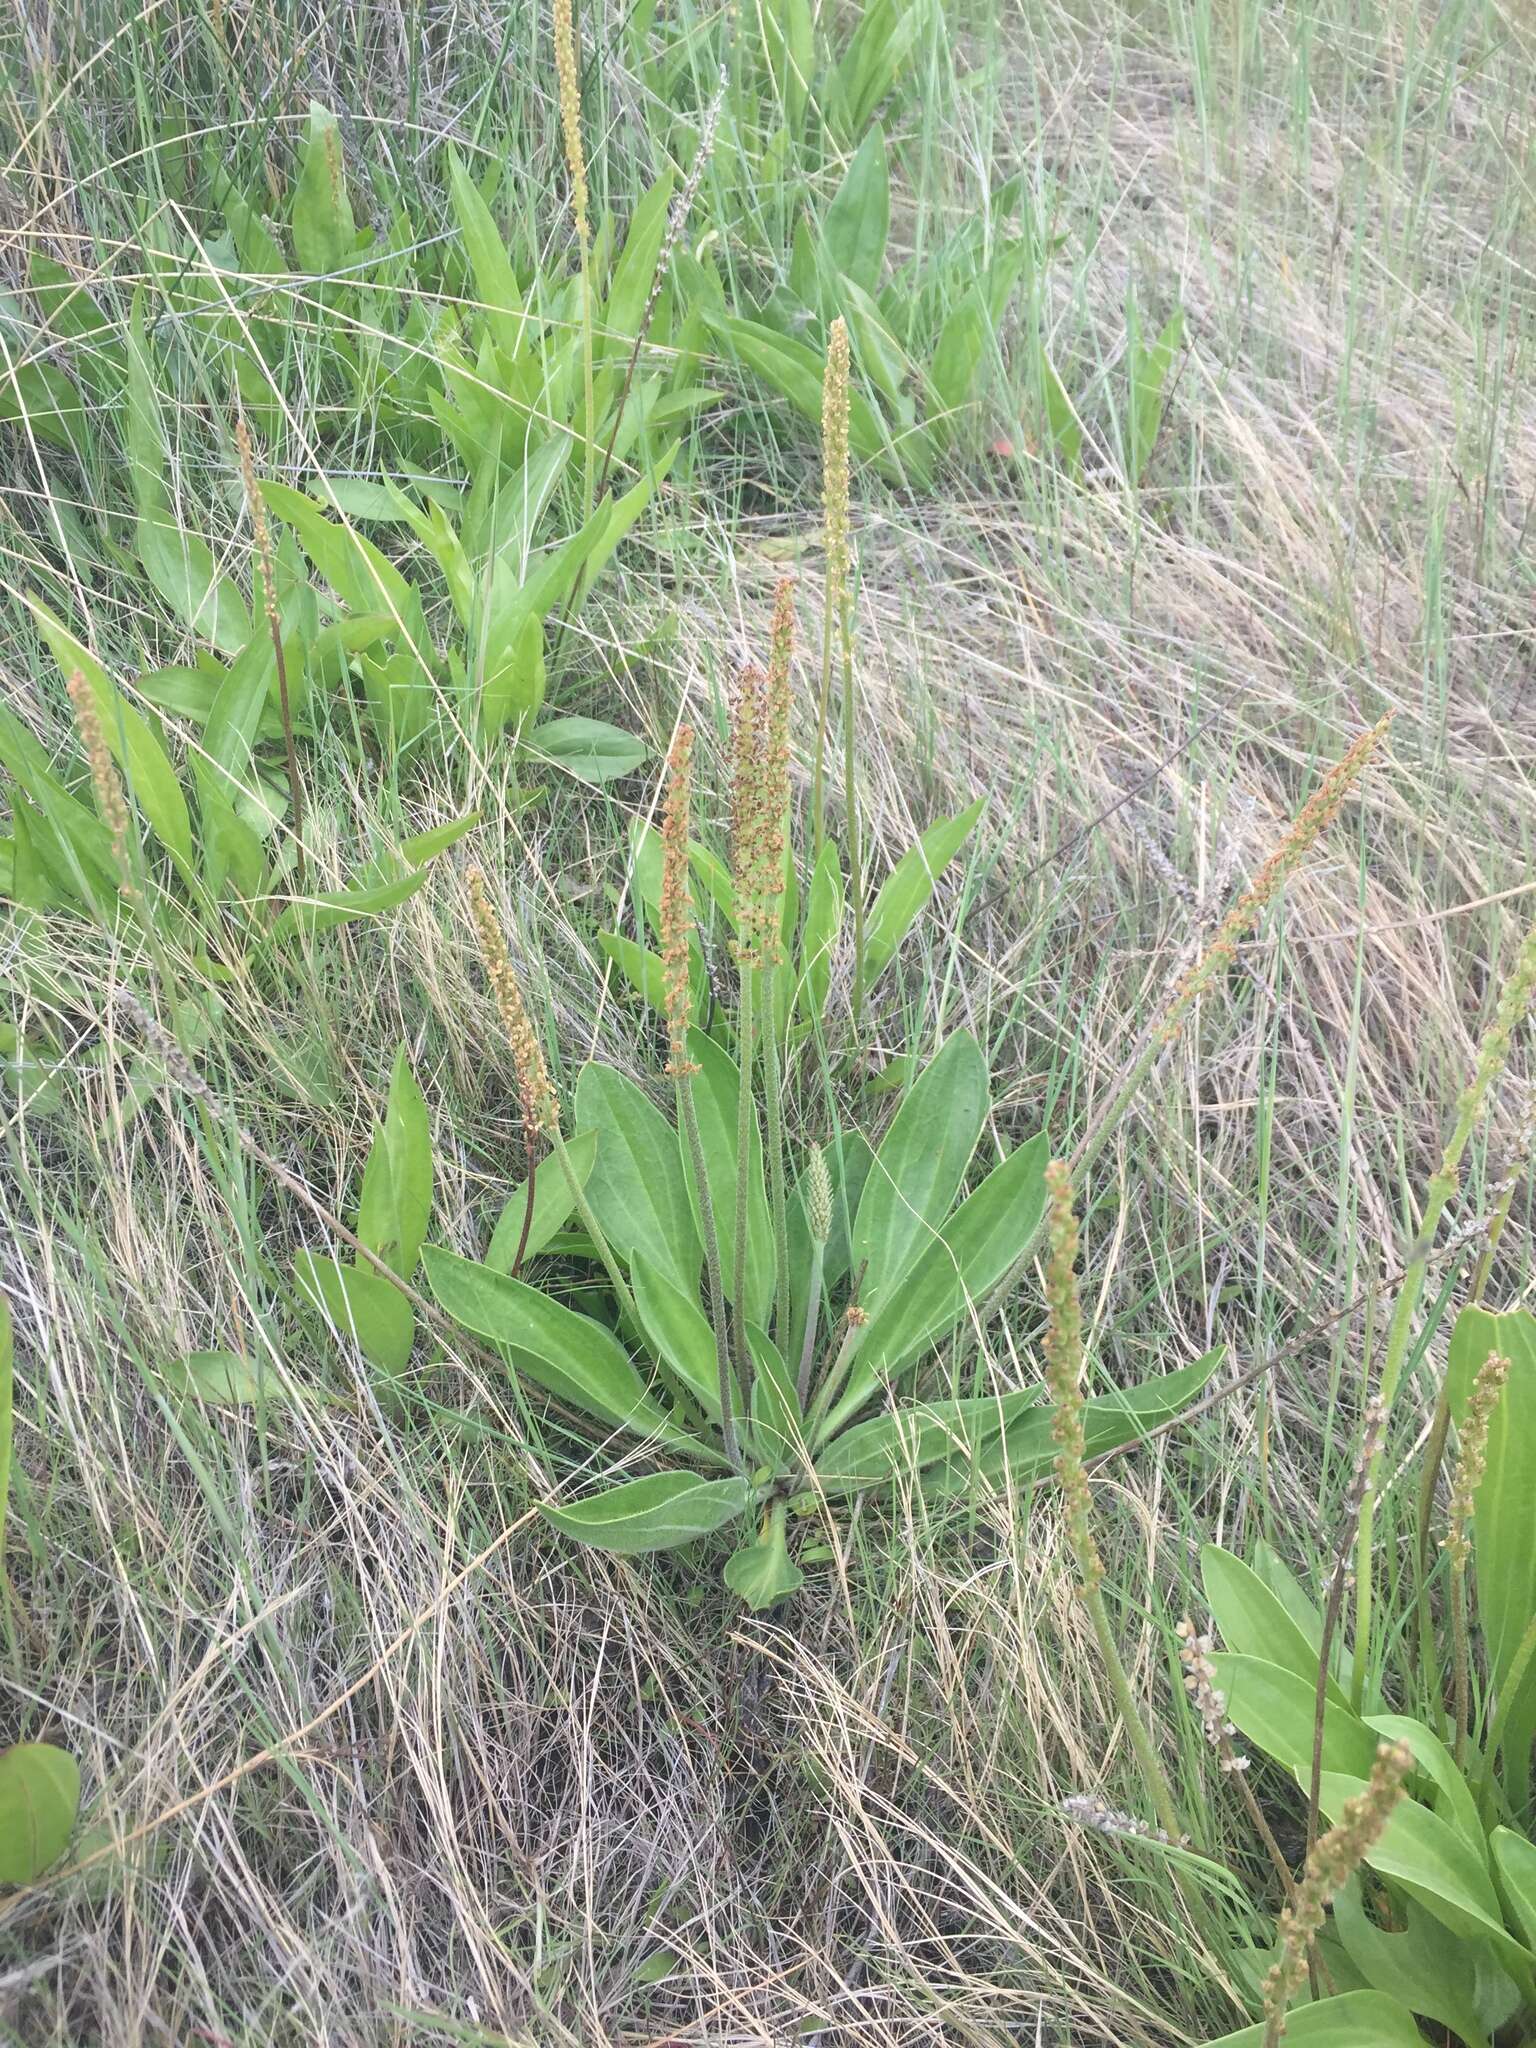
(795, 371)
(1277, 1709)
(361, 1304)
(678, 1332)
(362, 576)
(858, 221)
(644, 970)
(777, 1423)
(632, 274)
(324, 233)
(138, 753)
(716, 1101)
(331, 907)
(1252, 1621)
(1358, 2019)
(1007, 1438)
(1424, 1966)
(908, 1439)
(659, 1513)
(1434, 1863)
(512, 672)
(763, 1573)
(501, 301)
(1454, 1797)
(957, 356)
(224, 1379)
(953, 1275)
(587, 748)
(553, 1204)
(919, 1166)
(823, 925)
(909, 886)
(789, 45)
(1061, 418)
(396, 1203)
(39, 1798)
(1514, 1858)
(1501, 1523)
(1149, 374)
(638, 1191)
(182, 569)
(570, 1355)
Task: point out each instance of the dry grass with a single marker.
(370, 1755)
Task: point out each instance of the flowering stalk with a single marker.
(1492, 1054)
(106, 787)
(541, 1106)
(775, 803)
(676, 933)
(1210, 1703)
(262, 533)
(1063, 1371)
(568, 80)
(1471, 1464)
(1331, 1863)
(837, 619)
(818, 1215)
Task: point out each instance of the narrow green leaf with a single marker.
(909, 886)
(570, 1355)
(1252, 1621)
(501, 301)
(919, 1166)
(638, 1190)
(181, 567)
(553, 1204)
(858, 221)
(659, 1513)
(716, 1100)
(144, 762)
(324, 233)
(678, 1332)
(396, 1203)
(1514, 1858)
(951, 1276)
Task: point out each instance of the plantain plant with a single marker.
(764, 1326)
(1442, 1925)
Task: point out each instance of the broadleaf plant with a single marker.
(767, 1327)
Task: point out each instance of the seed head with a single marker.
(757, 843)
(105, 786)
(677, 904)
(1210, 1701)
(1334, 1859)
(260, 528)
(1306, 828)
(1514, 1001)
(1472, 1458)
(834, 463)
(541, 1109)
(1064, 1367)
(818, 1196)
(568, 80)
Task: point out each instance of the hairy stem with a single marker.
(777, 1197)
(748, 1060)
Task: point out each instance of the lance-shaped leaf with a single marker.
(659, 1513)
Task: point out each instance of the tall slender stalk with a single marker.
(745, 1031)
(1063, 1372)
(256, 506)
(834, 498)
(541, 1106)
(1492, 1054)
(1471, 1464)
(576, 164)
(676, 939)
